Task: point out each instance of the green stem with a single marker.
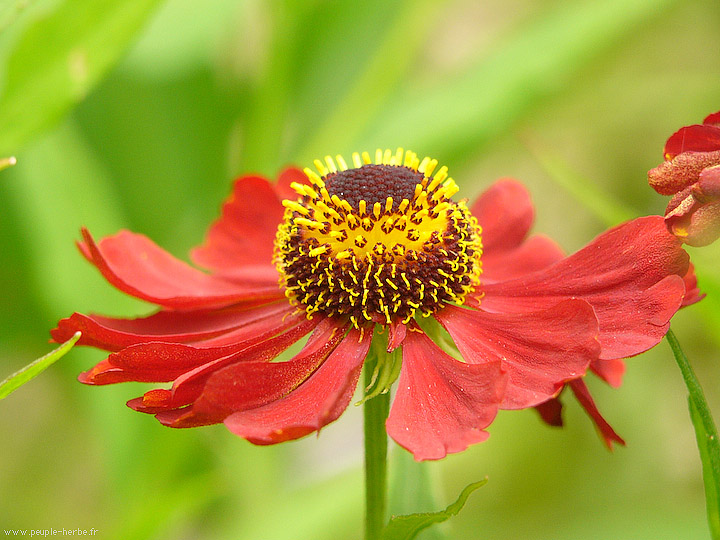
(706, 434)
(376, 411)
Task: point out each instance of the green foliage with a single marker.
(58, 60)
(35, 368)
(408, 527)
(706, 434)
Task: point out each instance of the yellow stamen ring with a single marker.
(377, 242)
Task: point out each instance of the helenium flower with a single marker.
(486, 316)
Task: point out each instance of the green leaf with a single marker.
(706, 434)
(408, 527)
(59, 58)
(710, 458)
(32, 370)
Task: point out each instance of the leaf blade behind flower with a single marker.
(35, 368)
(407, 527)
(59, 58)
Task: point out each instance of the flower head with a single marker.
(379, 242)
(691, 174)
(485, 316)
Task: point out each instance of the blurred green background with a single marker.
(139, 113)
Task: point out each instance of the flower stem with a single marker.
(376, 412)
(706, 435)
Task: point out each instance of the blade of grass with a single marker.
(408, 527)
(706, 434)
(33, 369)
(59, 58)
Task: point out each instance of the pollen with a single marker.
(379, 242)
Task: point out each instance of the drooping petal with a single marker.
(610, 370)
(582, 393)
(442, 405)
(535, 253)
(253, 383)
(245, 232)
(695, 138)
(692, 290)
(551, 412)
(505, 213)
(318, 401)
(631, 275)
(113, 334)
(135, 265)
(540, 351)
(163, 362)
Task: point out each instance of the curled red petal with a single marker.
(164, 362)
(582, 394)
(135, 265)
(540, 351)
(396, 335)
(610, 370)
(551, 412)
(505, 213)
(713, 119)
(321, 399)
(631, 275)
(695, 138)
(692, 290)
(442, 405)
(168, 326)
(251, 384)
(152, 402)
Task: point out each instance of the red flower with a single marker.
(691, 174)
(376, 246)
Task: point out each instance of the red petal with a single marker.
(551, 412)
(135, 265)
(152, 402)
(535, 253)
(606, 431)
(245, 233)
(396, 335)
(540, 351)
(318, 401)
(505, 213)
(695, 138)
(251, 384)
(442, 405)
(631, 275)
(611, 371)
(164, 362)
(713, 118)
(692, 291)
(113, 334)
(287, 177)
